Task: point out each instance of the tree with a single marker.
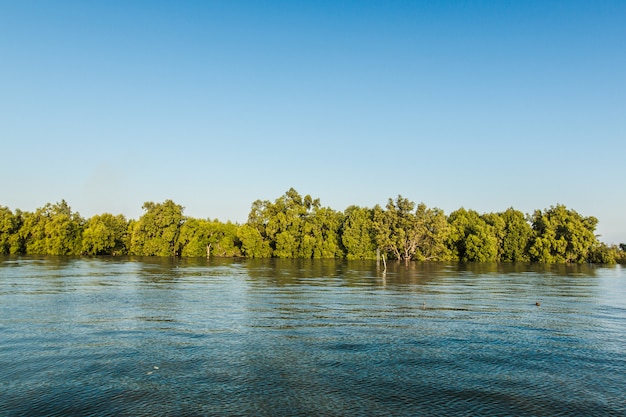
(223, 240)
(194, 238)
(156, 232)
(52, 230)
(619, 253)
(471, 238)
(517, 234)
(562, 235)
(393, 227)
(431, 234)
(602, 254)
(253, 245)
(408, 234)
(357, 233)
(10, 225)
(324, 229)
(205, 237)
(105, 234)
(287, 224)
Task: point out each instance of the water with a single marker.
(150, 337)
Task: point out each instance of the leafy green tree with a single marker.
(105, 234)
(619, 253)
(64, 230)
(512, 232)
(285, 245)
(287, 224)
(357, 233)
(562, 235)
(517, 235)
(471, 238)
(495, 222)
(223, 239)
(253, 245)
(394, 226)
(10, 225)
(194, 238)
(205, 237)
(157, 230)
(32, 232)
(431, 234)
(324, 230)
(128, 236)
(7, 229)
(52, 230)
(602, 254)
(407, 234)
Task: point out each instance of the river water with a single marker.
(151, 337)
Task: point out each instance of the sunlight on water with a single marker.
(110, 336)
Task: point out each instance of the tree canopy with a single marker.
(296, 226)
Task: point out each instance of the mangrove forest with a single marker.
(293, 226)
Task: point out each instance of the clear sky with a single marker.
(214, 104)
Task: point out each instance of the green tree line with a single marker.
(296, 226)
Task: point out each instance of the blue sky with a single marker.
(478, 104)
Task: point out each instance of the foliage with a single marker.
(10, 224)
(516, 236)
(408, 234)
(433, 230)
(562, 235)
(394, 228)
(52, 230)
(471, 238)
(252, 243)
(294, 226)
(323, 230)
(602, 254)
(223, 240)
(156, 232)
(194, 238)
(357, 233)
(619, 253)
(105, 234)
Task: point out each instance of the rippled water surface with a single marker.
(146, 337)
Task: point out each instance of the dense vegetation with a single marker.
(299, 227)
